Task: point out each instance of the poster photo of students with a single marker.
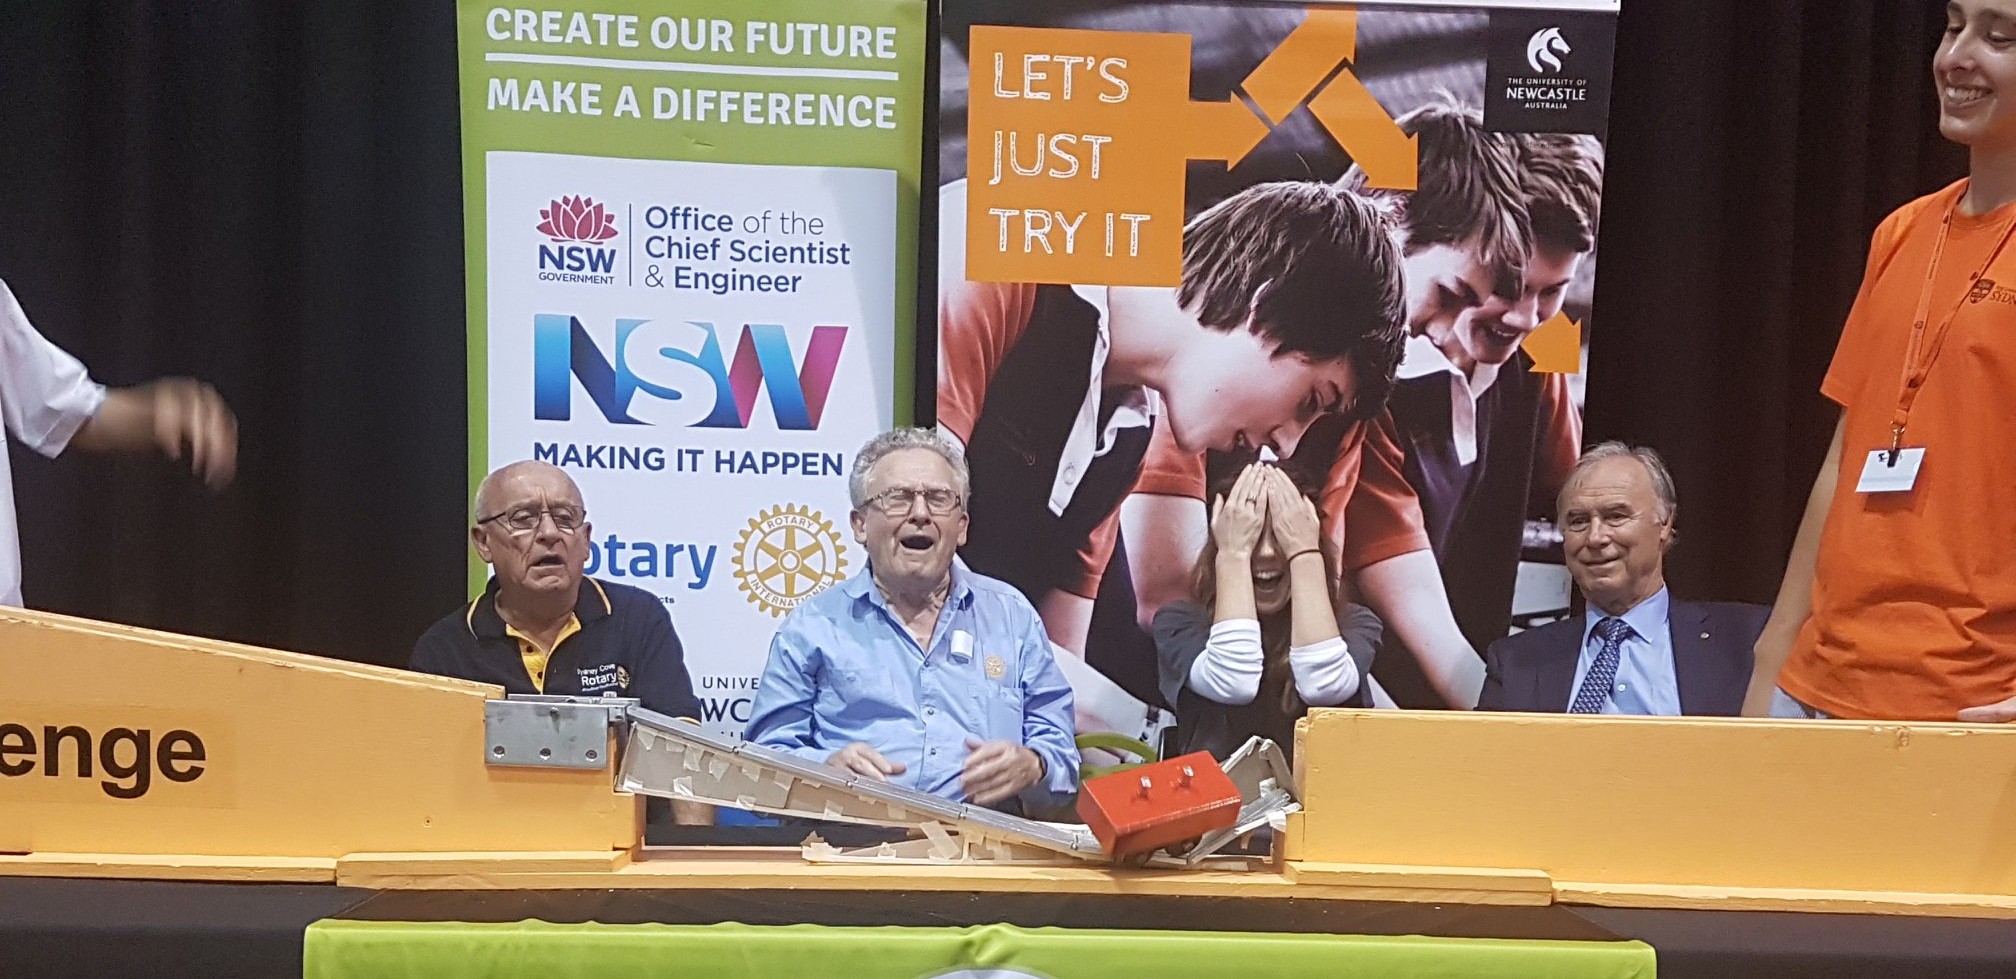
(1372, 342)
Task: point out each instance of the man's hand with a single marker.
(189, 414)
(180, 417)
(996, 770)
(861, 759)
(2000, 712)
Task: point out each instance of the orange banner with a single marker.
(1077, 142)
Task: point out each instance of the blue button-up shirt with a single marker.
(1645, 682)
(843, 668)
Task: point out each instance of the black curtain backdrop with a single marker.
(1754, 145)
(268, 195)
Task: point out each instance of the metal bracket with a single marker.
(539, 731)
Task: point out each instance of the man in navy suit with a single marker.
(1635, 650)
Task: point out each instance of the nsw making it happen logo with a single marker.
(577, 229)
(675, 372)
(1544, 50)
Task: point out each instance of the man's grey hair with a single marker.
(1655, 470)
(896, 440)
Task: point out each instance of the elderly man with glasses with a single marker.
(541, 626)
(917, 670)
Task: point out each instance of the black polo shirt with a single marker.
(626, 646)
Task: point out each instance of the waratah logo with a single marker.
(577, 219)
(1544, 48)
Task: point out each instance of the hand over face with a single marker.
(1238, 517)
(1291, 515)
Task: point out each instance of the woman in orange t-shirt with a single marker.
(1899, 600)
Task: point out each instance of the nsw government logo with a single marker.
(786, 555)
(576, 229)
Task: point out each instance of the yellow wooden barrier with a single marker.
(125, 752)
(1831, 815)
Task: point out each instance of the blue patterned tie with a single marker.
(1602, 673)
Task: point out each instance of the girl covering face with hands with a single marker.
(1260, 642)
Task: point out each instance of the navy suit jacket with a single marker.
(1712, 641)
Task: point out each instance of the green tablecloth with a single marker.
(346, 949)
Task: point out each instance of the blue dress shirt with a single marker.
(842, 669)
(1645, 681)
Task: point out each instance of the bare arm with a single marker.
(1164, 535)
(175, 415)
(1406, 591)
(1230, 668)
(1312, 618)
(1795, 590)
(1236, 522)
(1067, 618)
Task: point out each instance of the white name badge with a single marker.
(962, 644)
(1881, 475)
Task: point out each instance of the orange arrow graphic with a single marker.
(1556, 347)
(1358, 123)
(1221, 131)
(1324, 40)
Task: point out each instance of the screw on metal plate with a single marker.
(552, 732)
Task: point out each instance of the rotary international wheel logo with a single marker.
(786, 555)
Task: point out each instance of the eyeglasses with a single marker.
(899, 501)
(525, 519)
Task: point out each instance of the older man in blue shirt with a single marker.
(918, 670)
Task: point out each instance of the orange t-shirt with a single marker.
(1914, 593)
(1369, 512)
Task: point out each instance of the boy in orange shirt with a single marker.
(1289, 310)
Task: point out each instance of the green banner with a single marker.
(337, 949)
(692, 248)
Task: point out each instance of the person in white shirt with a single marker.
(50, 403)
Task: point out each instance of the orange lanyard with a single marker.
(1915, 370)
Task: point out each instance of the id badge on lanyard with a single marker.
(1895, 469)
